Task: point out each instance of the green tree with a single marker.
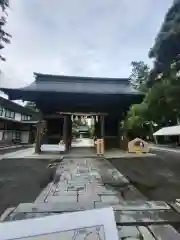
(166, 48)
(139, 75)
(135, 116)
(4, 36)
(161, 105)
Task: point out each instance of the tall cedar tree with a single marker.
(4, 36)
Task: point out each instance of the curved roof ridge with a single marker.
(40, 77)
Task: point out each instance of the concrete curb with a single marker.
(14, 148)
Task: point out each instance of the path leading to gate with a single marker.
(89, 180)
(87, 183)
(83, 142)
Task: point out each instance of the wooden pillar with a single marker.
(65, 132)
(45, 136)
(38, 137)
(70, 132)
(30, 133)
(102, 127)
(102, 134)
(94, 133)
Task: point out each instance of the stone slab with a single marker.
(8, 212)
(165, 232)
(111, 199)
(53, 207)
(161, 232)
(43, 195)
(145, 233)
(23, 216)
(65, 176)
(65, 193)
(105, 191)
(146, 217)
(76, 183)
(128, 232)
(176, 206)
(136, 206)
(88, 197)
(62, 187)
(61, 199)
(62, 190)
(76, 188)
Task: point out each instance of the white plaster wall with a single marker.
(8, 135)
(17, 116)
(1, 135)
(3, 114)
(25, 137)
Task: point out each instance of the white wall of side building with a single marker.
(8, 132)
(25, 137)
(8, 136)
(18, 116)
(1, 135)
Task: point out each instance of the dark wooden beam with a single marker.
(38, 137)
(102, 126)
(65, 132)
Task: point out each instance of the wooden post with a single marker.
(102, 134)
(70, 132)
(45, 137)
(65, 132)
(69, 128)
(38, 137)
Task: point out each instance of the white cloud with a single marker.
(82, 37)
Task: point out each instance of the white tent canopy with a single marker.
(168, 131)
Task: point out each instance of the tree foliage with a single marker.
(139, 75)
(166, 49)
(4, 36)
(160, 106)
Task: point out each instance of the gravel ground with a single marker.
(21, 180)
(157, 177)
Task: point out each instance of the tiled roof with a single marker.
(74, 84)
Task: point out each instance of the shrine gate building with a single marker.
(57, 96)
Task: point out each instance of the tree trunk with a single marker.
(151, 132)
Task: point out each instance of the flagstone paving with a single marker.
(89, 180)
(87, 183)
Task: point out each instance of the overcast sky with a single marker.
(79, 37)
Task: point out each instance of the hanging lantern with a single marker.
(97, 119)
(72, 117)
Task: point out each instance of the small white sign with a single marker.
(84, 225)
(53, 147)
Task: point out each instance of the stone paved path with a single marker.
(83, 142)
(87, 183)
(90, 181)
